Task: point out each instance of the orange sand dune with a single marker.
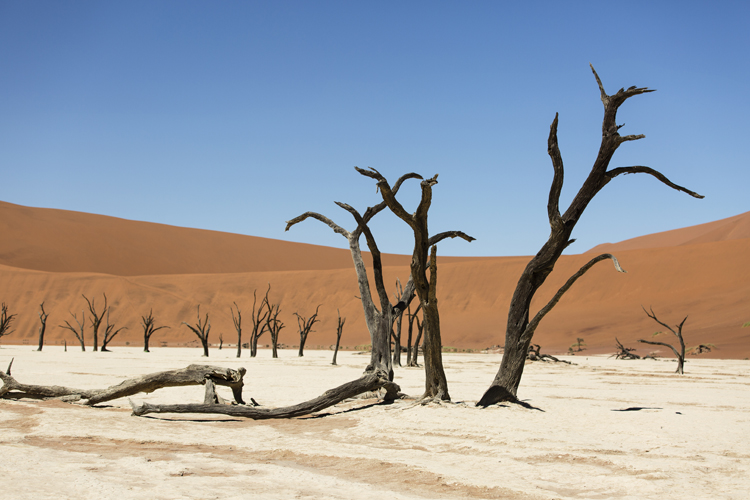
(709, 281)
(732, 228)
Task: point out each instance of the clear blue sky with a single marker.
(237, 116)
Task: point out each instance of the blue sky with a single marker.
(237, 116)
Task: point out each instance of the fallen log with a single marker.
(368, 382)
(192, 375)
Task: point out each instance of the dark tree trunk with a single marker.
(260, 324)
(43, 326)
(415, 356)
(520, 329)
(237, 320)
(305, 327)
(436, 385)
(109, 332)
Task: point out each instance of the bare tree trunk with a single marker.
(411, 358)
(420, 330)
(339, 331)
(436, 385)
(305, 327)
(681, 354)
(519, 329)
(43, 326)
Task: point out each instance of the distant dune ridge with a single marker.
(55, 256)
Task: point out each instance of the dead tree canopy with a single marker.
(96, 318)
(677, 333)
(149, 328)
(192, 375)
(521, 325)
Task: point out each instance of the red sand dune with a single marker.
(55, 256)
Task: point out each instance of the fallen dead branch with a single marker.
(192, 375)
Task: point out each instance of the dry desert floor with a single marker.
(602, 428)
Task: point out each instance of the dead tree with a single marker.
(339, 331)
(96, 318)
(237, 321)
(110, 332)
(520, 328)
(411, 358)
(149, 328)
(79, 333)
(5, 321)
(305, 327)
(201, 329)
(436, 385)
(274, 326)
(700, 349)
(681, 353)
(259, 321)
(624, 352)
(43, 326)
(192, 375)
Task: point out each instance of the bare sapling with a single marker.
(521, 325)
(6, 320)
(305, 327)
(201, 329)
(677, 333)
(149, 328)
(96, 318)
(339, 331)
(42, 326)
(78, 332)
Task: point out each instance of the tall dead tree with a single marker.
(78, 332)
(43, 326)
(110, 332)
(678, 333)
(305, 327)
(399, 321)
(201, 329)
(149, 328)
(237, 320)
(96, 318)
(436, 385)
(5, 321)
(339, 331)
(520, 328)
(259, 321)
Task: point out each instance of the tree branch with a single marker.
(639, 169)
(435, 239)
(553, 150)
(546, 309)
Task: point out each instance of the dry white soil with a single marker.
(601, 429)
